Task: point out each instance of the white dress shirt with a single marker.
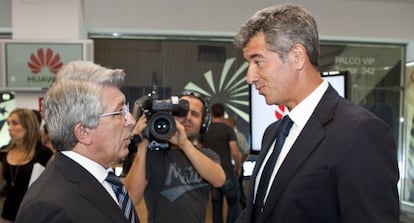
(300, 116)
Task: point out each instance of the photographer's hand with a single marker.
(180, 137)
(139, 126)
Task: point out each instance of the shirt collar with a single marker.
(302, 112)
(98, 171)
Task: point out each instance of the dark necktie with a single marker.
(124, 201)
(283, 132)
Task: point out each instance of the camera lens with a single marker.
(162, 126)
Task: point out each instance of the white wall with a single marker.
(358, 20)
(366, 19)
(47, 19)
(343, 18)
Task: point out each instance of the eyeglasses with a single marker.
(124, 111)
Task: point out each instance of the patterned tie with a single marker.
(124, 201)
(283, 132)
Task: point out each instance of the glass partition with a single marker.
(214, 67)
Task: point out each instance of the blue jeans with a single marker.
(230, 189)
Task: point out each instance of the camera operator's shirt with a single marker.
(175, 191)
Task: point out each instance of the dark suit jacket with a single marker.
(66, 192)
(341, 168)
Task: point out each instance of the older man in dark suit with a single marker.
(90, 126)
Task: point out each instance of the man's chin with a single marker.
(191, 136)
(124, 153)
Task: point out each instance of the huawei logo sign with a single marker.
(44, 59)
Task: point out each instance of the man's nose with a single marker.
(130, 121)
(251, 76)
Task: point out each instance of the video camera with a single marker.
(160, 121)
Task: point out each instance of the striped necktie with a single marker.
(124, 201)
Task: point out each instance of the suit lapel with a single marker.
(267, 140)
(297, 155)
(302, 148)
(90, 188)
(102, 200)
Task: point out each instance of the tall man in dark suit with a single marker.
(338, 162)
(90, 127)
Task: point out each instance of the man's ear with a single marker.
(299, 55)
(82, 134)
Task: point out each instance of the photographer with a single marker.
(176, 181)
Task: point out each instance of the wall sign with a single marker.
(33, 64)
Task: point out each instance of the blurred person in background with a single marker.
(244, 154)
(20, 159)
(38, 115)
(44, 133)
(222, 139)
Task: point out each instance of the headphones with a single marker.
(206, 119)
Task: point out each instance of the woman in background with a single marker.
(18, 159)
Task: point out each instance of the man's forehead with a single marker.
(193, 101)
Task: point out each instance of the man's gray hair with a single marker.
(283, 26)
(76, 97)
